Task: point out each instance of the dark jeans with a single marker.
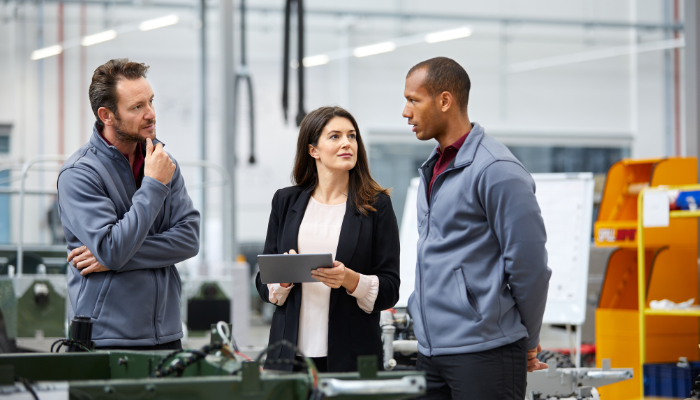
(175, 345)
(499, 373)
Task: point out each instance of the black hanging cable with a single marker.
(285, 58)
(28, 386)
(300, 58)
(301, 113)
(244, 75)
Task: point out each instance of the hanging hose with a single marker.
(300, 59)
(244, 75)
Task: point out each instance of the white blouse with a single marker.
(319, 232)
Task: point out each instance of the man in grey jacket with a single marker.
(481, 274)
(127, 218)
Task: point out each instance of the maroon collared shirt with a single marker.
(446, 158)
(138, 161)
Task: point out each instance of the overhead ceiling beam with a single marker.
(589, 24)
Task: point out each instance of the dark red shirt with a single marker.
(446, 158)
(138, 161)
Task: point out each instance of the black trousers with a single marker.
(496, 374)
(174, 345)
(321, 364)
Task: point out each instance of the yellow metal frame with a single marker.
(641, 271)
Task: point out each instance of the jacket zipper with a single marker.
(155, 279)
(430, 207)
(420, 272)
(155, 307)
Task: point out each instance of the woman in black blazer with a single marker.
(331, 170)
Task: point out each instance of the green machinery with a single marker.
(129, 375)
(33, 304)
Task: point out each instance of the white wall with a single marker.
(579, 98)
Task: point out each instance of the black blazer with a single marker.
(368, 245)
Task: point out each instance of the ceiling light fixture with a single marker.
(159, 22)
(98, 37)
(373, 49)
(47, 52)
(448, 35)
(314, 61)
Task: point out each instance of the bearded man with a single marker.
(127, 218)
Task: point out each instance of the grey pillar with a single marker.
(692, 79)
(229, 156)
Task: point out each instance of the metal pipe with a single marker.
(677, 81)
(203, 119)
(388, 339)
(228, 126)
(633, 72)
(668, 85)
(83, 75)
(25, 169)
(406, 347)
(227, 198)
(61, 89)
(37, 191)
(40, 110)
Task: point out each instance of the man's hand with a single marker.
(533, 364)
(84, 261)
(337, 276)
(158, 164)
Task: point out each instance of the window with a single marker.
(5, 130)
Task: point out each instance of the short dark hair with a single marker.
(103, 88)
(362, 188)
(445, 75)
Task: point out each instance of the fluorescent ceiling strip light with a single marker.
(314, 61)
(593, 55)
(99, 37)
(373, 49)
(47, 52)
(159, 22)
(448, 35)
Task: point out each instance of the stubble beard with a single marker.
(126, 136)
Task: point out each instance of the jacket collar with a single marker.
(467, 152)
(98, 142)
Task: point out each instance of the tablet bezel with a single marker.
(291, 268)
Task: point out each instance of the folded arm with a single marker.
(92, 216)
(180, 242)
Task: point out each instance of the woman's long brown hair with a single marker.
(362, 188)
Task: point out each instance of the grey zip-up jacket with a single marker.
(138, 233)
(481, 273)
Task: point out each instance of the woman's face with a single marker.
(337, 146)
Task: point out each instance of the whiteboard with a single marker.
(566, 202)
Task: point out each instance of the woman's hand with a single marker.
(337, 276)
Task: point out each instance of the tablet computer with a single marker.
(291, 268)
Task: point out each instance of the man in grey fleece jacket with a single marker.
(481, 274)
(127, 218)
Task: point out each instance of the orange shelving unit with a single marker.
(668, 257)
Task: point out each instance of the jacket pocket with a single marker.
(102, 295)
(468, 300)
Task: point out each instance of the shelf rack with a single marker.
(641, 269)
